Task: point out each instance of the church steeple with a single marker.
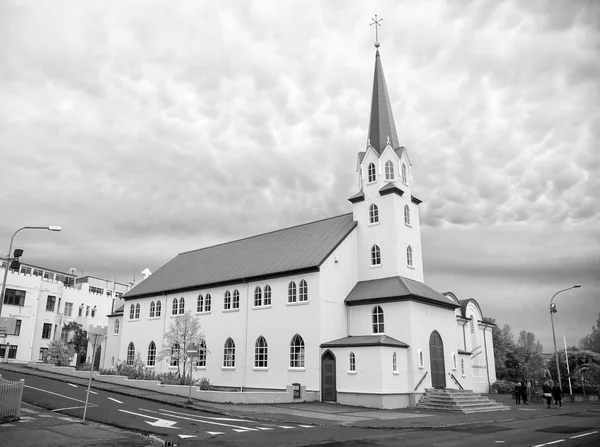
(381, 123)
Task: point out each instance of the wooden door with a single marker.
(328, 382)
(436, 355)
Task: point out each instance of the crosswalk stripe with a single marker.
(306, 426)
(73, 385)
(284, 426)
(264, 428)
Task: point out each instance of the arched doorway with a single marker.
(436, 356)
(328, 379)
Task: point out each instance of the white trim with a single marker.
(228, 368)
(296, 369)
(373, 224)
(396, 373)
(297, 303)
(228, 311)
(351, 373)
(260, 368)
(204, 312)
(269, 306)
(377, 266)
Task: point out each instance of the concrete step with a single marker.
(458, 401)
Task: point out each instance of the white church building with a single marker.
(338, 305)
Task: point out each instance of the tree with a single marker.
(591, 342)
(530, 352)
(60, 353)
(79, 341)
(184, 331)
(503, 344)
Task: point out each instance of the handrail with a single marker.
(421, 381)
(457, 382)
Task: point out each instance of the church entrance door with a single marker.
(328, 385)
(436, 354)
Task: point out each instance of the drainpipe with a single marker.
(486, 357)
(164, 312)
(465, 335)
(246, 337)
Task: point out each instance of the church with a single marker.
(338, 305)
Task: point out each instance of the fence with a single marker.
(10, 397)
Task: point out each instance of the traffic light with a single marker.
(553, 308)
(15, 264)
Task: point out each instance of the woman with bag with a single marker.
(547, 390)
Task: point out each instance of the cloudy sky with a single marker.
(148, 128)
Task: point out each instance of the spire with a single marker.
(381, 123)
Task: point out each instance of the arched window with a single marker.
(130, 353)
(267, 295)
(175, 307)
(227, 300)
(352, 362)
(292, 292)
(377, 320)
(406, 215)
(158, 309)
(462, 366)
(303, 295)
(131, 312)
(260, 353)
(236, 299)
(257, 296)
(409, 261)
(200, 304)
(207, 302)
(151, 354)
(395, 362)
(181, 305)
(389, 170)
(373, 214)
(371, 173)
(404, 177)
(175, 353)
(375, 255)
(117, 324)
(420, 359)
(137, 311)
(229, 354)
(152, 309)
(202, 355)
(453, 360)
(472, 325)
(297, 352)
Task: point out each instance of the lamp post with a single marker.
(553, 311)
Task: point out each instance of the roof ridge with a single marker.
(268, 232)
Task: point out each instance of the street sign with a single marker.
(192, 351)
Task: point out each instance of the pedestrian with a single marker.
(547, 390)
(517, 394)
(523, 391)
(557, 394)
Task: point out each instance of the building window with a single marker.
(175, 355)
(200, 303)
(207, 302)
(94, 311)
(112, 361)
(404, 177)
(131, 312)
(406, 215)
(236, 299)
(409, 260)
(94, 290)
(175, 308)
(462, 366)
(17, 328)
(202, 355)
(371, 173)
(472, 325)
(373, 214)
(116, 331)
(12, 352)
(181, 306)
(38, 272)
(80, 311)
(257, 296)
(47, 330)
(130, 353)
(158, 309)
(292, 292)
(453, 360)
(389, 170)
(87, 311)
(267, 301)
(421, 363)
(25, 270)
(49, 276)
(377, 320)
(227, 300)
(375, 255)
(229, 354)
(260, 353)
(43, 357)
(50, 303)
(137, 311)
(352, 362)
(118, 294)
(152, 309)
(14, 297)
(68, 309)
(303, 289)
(297, 352)
(151, 354)
(64, 335)
(395, 362)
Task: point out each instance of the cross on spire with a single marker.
(375, 22)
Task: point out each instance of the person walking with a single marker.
(517, 394)
(557, 394)
(523, 391)
(547, 390)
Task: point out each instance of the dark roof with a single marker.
(396, 288)
(358, 197)
(461, 352)
(390, 188)
(415, 200)
(364, 340)
(284, 252)
(117, 312)
(463, 306)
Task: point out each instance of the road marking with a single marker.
(175, 414)
(7, 425)
(75, 408)
(93, 392)
(585, 434)
(56, 394)
(187, 436)
(284, 426)
(115, 400)
(159, 422)
(27, 410)
(499, 442)
(69, 419)
(550, 443)
(213, 433)
(45, 416)
(240, 430)
(74, 386)
(264, 428)
(306, 426)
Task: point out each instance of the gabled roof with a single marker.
(118, 312)
(289, 251)
(396, 288)
(358, 197)
(390, 188)
(364, 340)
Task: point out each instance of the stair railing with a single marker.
(421, 381)
(457, 382)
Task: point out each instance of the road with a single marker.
(175, 424)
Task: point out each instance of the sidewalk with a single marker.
(329, 414)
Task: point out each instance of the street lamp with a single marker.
(50, 228)
(553, 311)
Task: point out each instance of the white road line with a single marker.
(264, 428)
(175, 414)
(550, 443)
(240, 430)
(214, 433)
(585, 434)
(284, 426)
(56, 394)
(7, 425)
(115, 400)
(306, 426)
(75, 408)
(93, 392)
(74, 386)
(27, 410)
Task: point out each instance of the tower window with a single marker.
(375, 255)
(257, 297)
(200, 304)
(292, 297)
(267, 301)
(303, 291)
(395, 362)
(207, 303)
(158, 309)
(151, 354)
(409, 259)
(152, 309)
(389, 170)
(373, 214)
(137, 311)
(181, 305)
(371, 173)
(404, 176)
(352, 362)
(377, 320)
(227, 300)
(174, 308)
(130, 353)
(406, 215)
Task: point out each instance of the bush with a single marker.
(503, 387)
(83, 367)
(174, 379)
(135, 371)
(578, 389)
(204, 383)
